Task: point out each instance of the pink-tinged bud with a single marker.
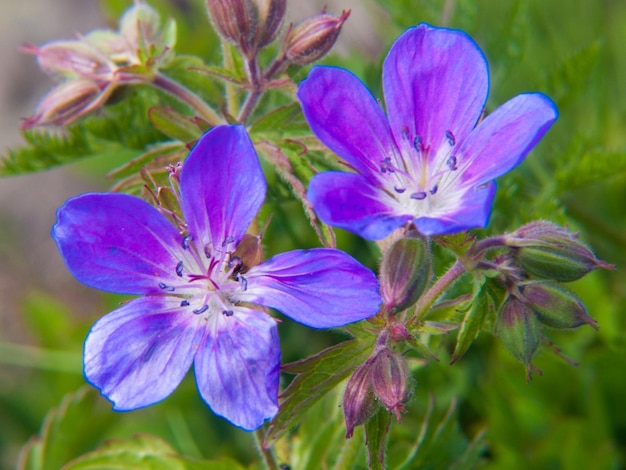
(358, 400)
(404, 273)
(390, 380)
(270, 15)
(311, 39)
(66, 103)
(555, 307)
(234, 20)
(547, 251)
(71, 59)
(520, 331)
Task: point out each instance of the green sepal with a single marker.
(376, 432)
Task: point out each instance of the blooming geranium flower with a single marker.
(201, 304)
(425, 162)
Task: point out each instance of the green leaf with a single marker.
(315, 377)
(473, 322)
(282, 121)
(146, 452)
(68, 430)
(174, 125)
(376, 431)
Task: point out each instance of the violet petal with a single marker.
(321, 288)
(138, 354)
(237, 367)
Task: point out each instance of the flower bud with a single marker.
(520, 331)
(556, 307)
(249, 251)
(311, 39)
(66, 103)
(404, 273)
(234, 20)
(71, 59)
(390, 380)
(358, 399)
(270, 15)
(547, 251)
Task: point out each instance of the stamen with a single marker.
(200, 310)
(450, 137)
(227, 240)
(399, 190)
(179, 269)
(184, 303)
(164, 286)
(434, 190)
(452, 163)
(207, 250)
(244, 283)
(417, 143)
(420, 195)
(228, 313)
(404, 130)
(385, 166)
(186, 241)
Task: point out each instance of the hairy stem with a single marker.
(185, 95)
(267, 456)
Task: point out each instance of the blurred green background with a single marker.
(570, 418)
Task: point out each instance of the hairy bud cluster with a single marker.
(91, 67)
(383, 379)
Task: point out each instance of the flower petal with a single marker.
(222, 186)
(505, 137)
(138, 354)
(321, 288)
(347, 119)
(237, 367)
(350, 202)
(435, 82)
(117, 243)
(471, 210)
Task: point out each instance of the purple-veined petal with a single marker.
(321, 288)
(117, 243)
(222, 187)
(347, 119)
(237, 367)
(350, 202)
(435, 82)
(505, 137)
(471, 210)
(138, 354)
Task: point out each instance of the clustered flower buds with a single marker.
(383, 378)
(91, 67)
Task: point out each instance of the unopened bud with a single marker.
(234, 20)
(249, 251)
(390, 380)
(404, 273)
(311, 39)
(520, 331)
(66, 103)
(358, 400)
(556, 307)
(547, 251)
(270, 15)
(71, 59)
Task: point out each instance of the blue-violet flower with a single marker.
(198, 305)
(427, 161)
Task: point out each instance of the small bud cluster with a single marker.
(383, 379)
(91, 67)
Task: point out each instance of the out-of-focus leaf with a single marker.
(315, 377)
(174, 125)
(69, 430)
(146, 452)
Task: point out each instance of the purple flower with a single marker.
(427, 161)
(199, 305)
